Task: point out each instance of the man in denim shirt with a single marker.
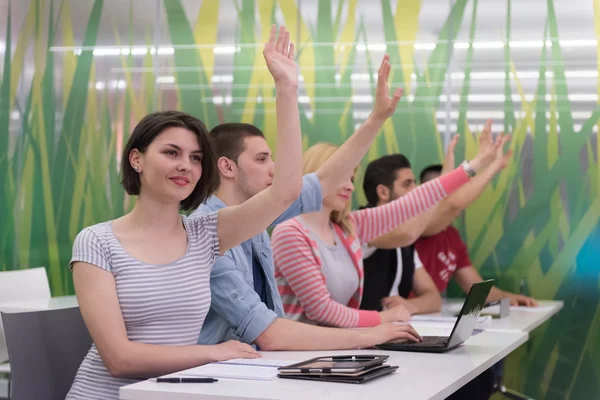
(245, 302)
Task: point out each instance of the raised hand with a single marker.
(489, 149)
(385, 106)
(279, 56)
(502, 159)
(449, 162)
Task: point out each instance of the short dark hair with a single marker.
(147, 130)
(431, 169)
(228, 138)
(382, 172)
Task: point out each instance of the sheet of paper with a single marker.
(540, 309)
(432, 318)
(444, 318)
(257, 362)
(254, 369)
(496, 309)
(492, 309)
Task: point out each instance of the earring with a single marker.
(137, 169)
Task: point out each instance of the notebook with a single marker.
(442, 318)
(496, 309)
(254, 369)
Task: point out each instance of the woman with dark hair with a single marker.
(142, 280)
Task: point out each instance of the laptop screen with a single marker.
(467, 319)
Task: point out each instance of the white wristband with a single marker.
(468, 169)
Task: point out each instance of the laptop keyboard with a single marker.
(431, 341)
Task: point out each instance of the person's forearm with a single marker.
(497, 294)
(141, 360)
(287, 176)
(467, 194)
(284, 334)
(454, 204)
(341, 164)
(407, 233)
(426, 303)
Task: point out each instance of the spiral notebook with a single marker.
(254, 369)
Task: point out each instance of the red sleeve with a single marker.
(462, 253)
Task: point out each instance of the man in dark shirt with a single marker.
(392, 274)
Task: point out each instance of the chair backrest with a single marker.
(24, 284)
(21, 285)
(46, 349)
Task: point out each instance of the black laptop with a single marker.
(463, 328)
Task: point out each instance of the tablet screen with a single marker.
(333, 364)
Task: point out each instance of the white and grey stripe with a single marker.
(161, 304)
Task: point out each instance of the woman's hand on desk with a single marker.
(233, 349)
(390, 331)
(395, 313)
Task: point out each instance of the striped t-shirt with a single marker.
(161, 304)
(299, 266)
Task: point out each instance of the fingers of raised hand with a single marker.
(382, 76)
(286, 44)
(453, 143)
(384, 62)
(280, 39)
(486, 133)
(272, 37)
(397, 96)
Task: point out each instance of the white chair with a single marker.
(20, 285)
(24, 284)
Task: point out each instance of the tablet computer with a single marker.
(329, 364)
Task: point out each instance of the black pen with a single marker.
(492, 303)
(186, 380)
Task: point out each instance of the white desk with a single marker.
(420, 376)
(521, 319)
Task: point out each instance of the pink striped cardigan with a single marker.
(300, 281)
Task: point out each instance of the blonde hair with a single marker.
(314, 158)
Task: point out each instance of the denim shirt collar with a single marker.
(214, 203)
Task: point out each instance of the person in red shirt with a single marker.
(443, 255)
(438, 243)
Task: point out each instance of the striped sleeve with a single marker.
(376, 221)
(301, 269)
(88, 248)
(204, 228)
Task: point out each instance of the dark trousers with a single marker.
(480, 388)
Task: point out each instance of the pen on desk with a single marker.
(185, 380)
(491, 303)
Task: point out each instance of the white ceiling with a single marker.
(575, 22)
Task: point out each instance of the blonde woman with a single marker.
(318, 259)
